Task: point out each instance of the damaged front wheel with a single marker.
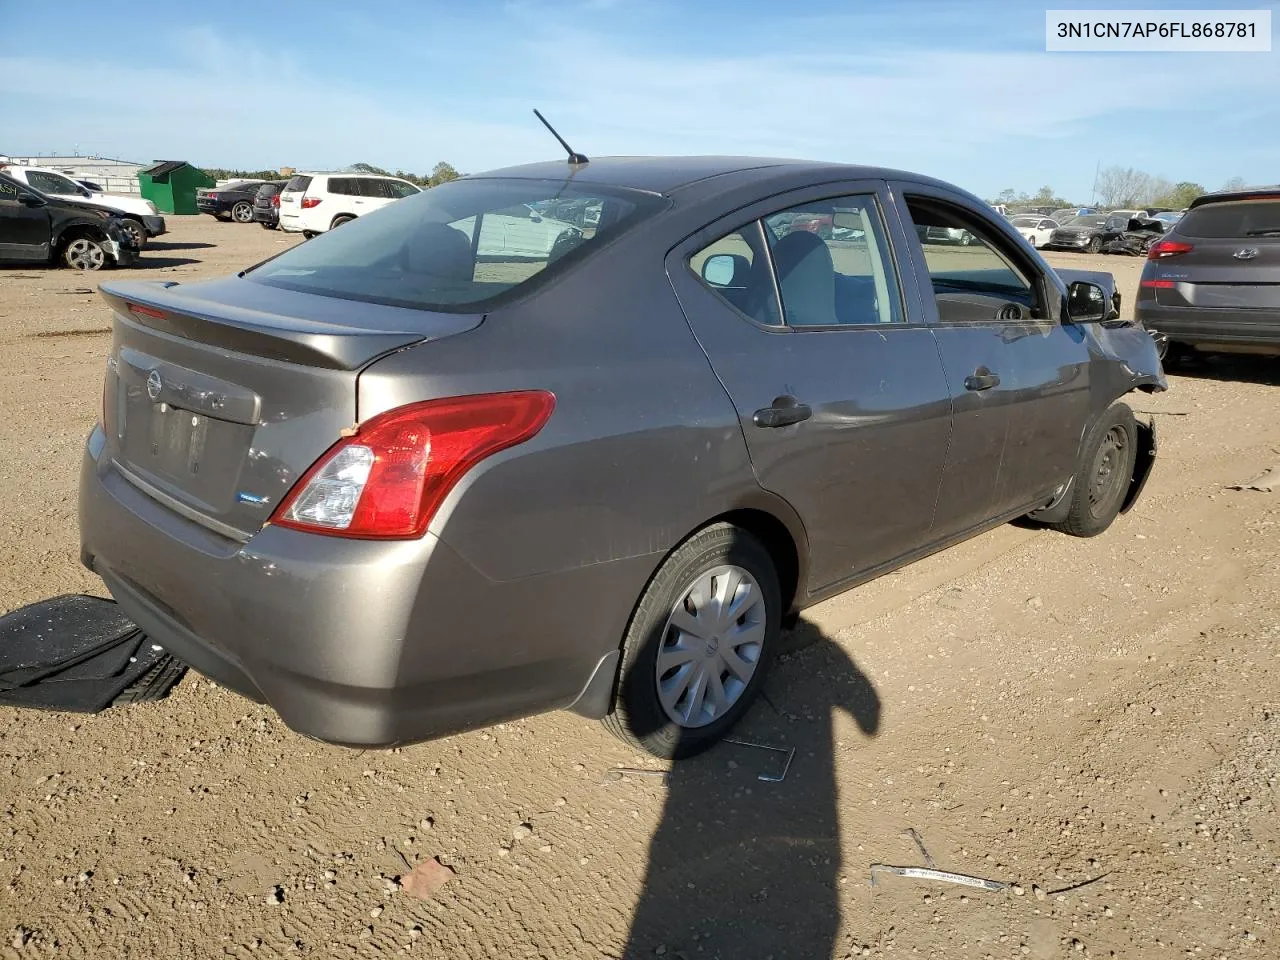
(1103, 474)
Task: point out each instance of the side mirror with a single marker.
(1087, 303)
(31, 200)
(719, 270)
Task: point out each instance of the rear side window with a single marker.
(1232, 220)
(462, 246)
(371, 187)
(298, 183)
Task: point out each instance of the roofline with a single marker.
(1249, 193)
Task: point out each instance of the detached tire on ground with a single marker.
(1105, 471)
(699, 644)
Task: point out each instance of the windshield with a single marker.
(1086, 221)
(1233, 219)
(461, 246)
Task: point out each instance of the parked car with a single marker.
(266, 204)
(1168, 216)
(1037, 230)
(1212, 282)
(138, 217)
(1069, 213)
(1087, 233)
(232, 200)
(41, 228)
(435, 489)
(1135, 239)
(312, 203)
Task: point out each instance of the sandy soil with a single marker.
(1094, 721)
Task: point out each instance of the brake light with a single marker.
(1168, 248)
(146, 311)
(387, 480)
(309, 202)
(211, 196)
(1158, 284)
(275, 201)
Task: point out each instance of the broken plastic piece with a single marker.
(927, 873)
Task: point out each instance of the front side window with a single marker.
(51, 183)
(974, 275)
(399, 189)
(462, 246)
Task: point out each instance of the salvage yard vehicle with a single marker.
(1212, 282)
(1037, 230)
(140, 218)
(35, 227)
(266, 204)
(397, 489)
(233, 200)
(312, 203)
(1087, 233)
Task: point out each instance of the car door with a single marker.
(1019, 378)
(837, 383)
(24, 226)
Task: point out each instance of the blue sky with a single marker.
(961, 91)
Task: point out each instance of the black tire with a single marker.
(267, 226)
(135, 229)
(1095, 244)
(638, 717)
(242, 212)
(339, 221)
(1104, 474)
(222, 215)
(308, 234)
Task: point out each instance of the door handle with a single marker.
(784, 412)
(981, 379)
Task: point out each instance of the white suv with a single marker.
(139, 217)
(312, 203)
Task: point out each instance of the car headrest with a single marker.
(807, 277)
(441, 251)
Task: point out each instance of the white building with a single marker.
(114, 176)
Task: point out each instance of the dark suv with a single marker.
(1212, 283)
(266, 204)
(235, 200)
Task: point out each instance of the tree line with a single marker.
(442, 172)
(1120, 187)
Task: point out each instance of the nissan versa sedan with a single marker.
(397, 486)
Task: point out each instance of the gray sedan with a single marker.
(399, 482)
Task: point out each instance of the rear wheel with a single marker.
(1105, 471)
(339, 221)
(268, 226)
(699, 644)
(242, 212)
(84, 253)
(308, 234)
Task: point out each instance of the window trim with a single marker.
(780, 203)
(1045, 291)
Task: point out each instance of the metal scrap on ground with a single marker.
(768, 777)
(1265, 482)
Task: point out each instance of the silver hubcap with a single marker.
(85, 254)
(711, 646)
(242, 212)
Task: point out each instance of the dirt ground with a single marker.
(1094, 722)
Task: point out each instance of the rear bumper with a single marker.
(268, 215)
(1224, 329)
(213, 206)
(155, 226)
(353, 642)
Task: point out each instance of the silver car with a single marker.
(408, 479)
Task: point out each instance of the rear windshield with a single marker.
(461, 246)
(1233, 220)
(298, 183)
(269, 189)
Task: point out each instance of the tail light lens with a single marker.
(309, 202)
(1168, 248)
(211, 196)
(386, 481)
(275, 201)
(1158, 284)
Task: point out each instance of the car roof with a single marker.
(1249, 193)
(665, 175)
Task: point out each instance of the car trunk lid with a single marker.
(219, 395)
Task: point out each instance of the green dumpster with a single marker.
(171, 185)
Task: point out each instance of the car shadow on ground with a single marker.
(744, 868)
(149, 262)
(1239, 368)
(171, 245)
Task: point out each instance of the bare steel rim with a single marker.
(242, 212)
(711, 646)
(1108, 473)
(85, 254)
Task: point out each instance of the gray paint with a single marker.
(553, 541)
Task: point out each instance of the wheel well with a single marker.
(341, 218)
(85, 230)
(777, 539)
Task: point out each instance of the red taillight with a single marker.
(1168, 248)
(275, 201)
(211, 196)
(146, 311)
(1158, 284)
(387, 479)
(309, 202)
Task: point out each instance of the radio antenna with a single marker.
(575, 159)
